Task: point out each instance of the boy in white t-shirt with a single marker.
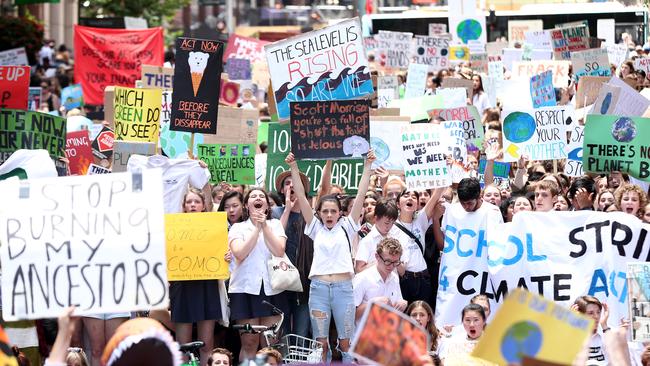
(385, 215)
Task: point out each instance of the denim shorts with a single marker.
(331, 299)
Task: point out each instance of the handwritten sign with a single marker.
(539, 39)
(72, 97)
(14, 57)
(35, 98)
(94, 169)
(116, 266)
(588, 89)
(113, 57)
(517, 29)
(437, 28)
(450, 83)
(238, 126)
(325, 64)
(248, 48)
(479, 62)
(137, 114)
(157, 77)
(464, 28)
(593, 62)
(78, 152)
(527, 69)
(568, 40)
(573, 166)
(453, 140)
(196, 246)
(383, 140)
(470, 120)
(416, 81)
(238, 69)
(122, 151)
(542, 91)
(394, 49)
(638, 280)
(197, 85)
(617, 53)
(230, 163)
(425, 165)
(14, 87)
(432, 51)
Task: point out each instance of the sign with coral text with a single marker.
(471, 121)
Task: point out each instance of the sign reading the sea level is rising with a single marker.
(331, 129)
(326, 64)
(137, 114)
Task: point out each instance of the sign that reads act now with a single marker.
(137, 114)
(230, 163)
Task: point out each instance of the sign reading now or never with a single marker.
(196, 246)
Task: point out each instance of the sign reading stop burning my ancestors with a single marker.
(330, 129)
(96, 242)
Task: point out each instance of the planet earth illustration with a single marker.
(381, 149)
(624, 130)
(523, 338)
(469, 30)
(519, 127)
(460, 53)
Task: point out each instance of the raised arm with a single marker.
(325, 180)
(299, 189)
(491, 154)
(355, 212)
(433, 200)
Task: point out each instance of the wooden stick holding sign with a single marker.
(190, 151)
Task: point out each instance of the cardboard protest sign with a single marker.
(517, 29)
(197, 85)
(248, 48)
(72, 97)
(102, 145)
(94, 169)
(417, 108)
(330, 129)
(588, 89)
(384, 97)
(470, 119)
(389, 337)
(638, 289)
(122, 151)
(458, 54)
(542, 91)
(573, 166)
(230, 163)
(479, 62)
(34, 99)
(453, 140)
(137, 114)
(229, 93)
(118, 265)
(466, 84)
(465, 28)
(643, 64)
(32, 131)
(568, 40)
(394, 49)
(383, 141)
(238, 126)
(238, 69)
(432, 51)
(527, 324)
(416, 81)
(607, 100)
(616, 53)
(78, 152)
(453, 97)
(593, 62)
(196, 246)
(540, 133)
(437, 28)
(14, 87)
(157, 77)
(527, 69)
(613, 143)
(325, 64)
(14, 57)
(425, 165)
(113, 57)
(495, 49)
(631, 103)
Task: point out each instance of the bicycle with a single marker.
(190, 349)
(294, 348)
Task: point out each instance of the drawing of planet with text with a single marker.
(381, 149)
(523, 338)
(624, 130)
(469, 30)
(518, 127)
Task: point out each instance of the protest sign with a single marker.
(330, 129)
(495, 49)
(94, 169)
(453, 97)
(394, 49)
(230, 163)
(605, 29)
(638, 289)
(417, 108)
(643, 64)
(471, 122)
(78, 152)
(453, 140)
(196, 246)
(137, 114)
(466, 84)
(527, 69)
(384, 96)
(238, 69)
(14, 57)
(510, 56)
(573, 166)
(542, 91)
(539, 134)
(113, 57)
(465, 28)
(383, 140)
(325, 64)
(115, 266)
(237, 126)
(540, 39)
(615, 143)
(248, 48)
(229, 93)
(432, 51)
(593, 62)
(72, 97)
(631, 103)
(500, 170)
(197, 85)
(437, 29)
(102, 145)
(517, 29)
(495, 69)
(607, 100)
(14, 87)
(479, 62)
(527, 318)
(32, 131)
(387, 82)
(157, 77)
(458, 54)
(175, 144)
(34, 99)
(416, 81)
(425, 165)
(389, 337)
(568, 40)
(588, 89)
(616, 53)
(122, 151)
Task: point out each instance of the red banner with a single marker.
(14, 87)
(244, 47)
(113, 57)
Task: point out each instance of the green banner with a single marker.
(31, 130)
(230, 163)
(614, 143)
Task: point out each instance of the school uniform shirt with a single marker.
(481, 102)
(332, 253)
(368, 245)
(412, 255)
(177, 174)
(597, 351)
(369, 284)
(249, 275)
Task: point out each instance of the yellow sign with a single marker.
(196, 246)
(136, 114)
(529, 325)
(458, 53)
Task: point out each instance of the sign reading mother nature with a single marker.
(197, 84)
(327, 64)
(424, 157)
(96, 242)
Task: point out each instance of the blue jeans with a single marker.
(297, 320)
(332, 299)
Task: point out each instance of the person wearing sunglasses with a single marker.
(380, 282)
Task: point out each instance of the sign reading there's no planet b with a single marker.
(197, 85)
(330, 129)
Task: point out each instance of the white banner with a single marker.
(97, 242)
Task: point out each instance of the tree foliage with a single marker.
(21, 32)
(154, 11)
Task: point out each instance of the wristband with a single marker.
(606, 330)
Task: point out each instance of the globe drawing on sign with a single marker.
(460, 53)
(469, 30)
(519, 127)
(523, 338)
(606, 102)
(624, 130)
(381, 149)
